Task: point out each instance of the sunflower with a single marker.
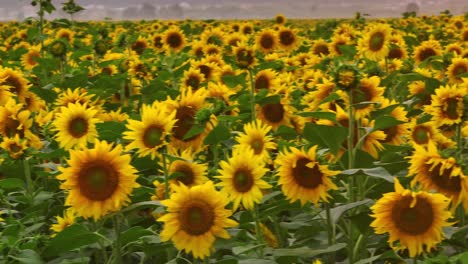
(98, 180)
(198, 49)
(275, 114)
(433, 172)
(14, 146)
(458, 67)
(395, 134)
(174, 39)
(195, 217)
(247, 28)
(320, 48)
(302, 177)
(256, 138)
(426, 50)
(213, 36)
(75, 126)
(365, 94)
(422, 133)
(287, 38)
(186, 170)
(67, 220)
(149, 134)
(245, 56)
(157, 42)
(314, 99)
(415, 219)
(78, 95)
(375, 43)
(447, 106)
(140, 45)
(5, 94)
(65, 34)
(266, 41)
(241, 177)
(266, 79)
(28, 60)
(193, 79)
(14, 81)
(208, 69)
(186, 106)
(454, 48)
(280, 19)
(336, 42)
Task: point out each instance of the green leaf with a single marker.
(110, 131)
(386, 121)
(461, 258)
(233, 80)
(28, 256)
(307, 252)
(286, 132)
(72, 237)
(133, 234)
(330, 137)
(347, 50)
(338, 211)
(368, 260)
(11, 183)
(141, 204)
(377, 172)
(217, 135)
(320, 115)
(195, 130)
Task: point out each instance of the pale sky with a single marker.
(232, 9)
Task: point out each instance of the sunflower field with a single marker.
(259, 141)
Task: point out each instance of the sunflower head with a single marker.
(347, 77)
(58, 48)
(413, 219)
(245, 56)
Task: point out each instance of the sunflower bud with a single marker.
(101, 47)
(346, 77)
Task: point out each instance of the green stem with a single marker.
(166, 176)
(252, 95)
(116, 254)
(357, 246)
(277, 230)
(352, 180)
(27, 174)
(258, 231)
(331, 232)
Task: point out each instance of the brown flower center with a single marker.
(262, 82)
(421, 135)
(174, 40)
(426, 53)
(185, 120)
(267, 41)
(193, 81)
(152, 136)
(287, 37)
(273, 112)
(257, 145)
(243, 180)
(376, 41)
(98, 181)
(395, 53)
(196, 218)
(451, 107)
(306, 176)
(185, 173)
(321, 49)
(78, 127)
(416, 220)
(443, 180)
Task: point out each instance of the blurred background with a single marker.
(233, 9)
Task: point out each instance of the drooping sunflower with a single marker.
(187, 171)
(302, 177)
(67, 220)
(149, 134)
(375, 43)
(75, 126)
(447, 106)
(266, 41)
(427, 49)
(174, 39)
(433, 172)
(459, 66)
(98, 180)
(314, 99)
(241, 177)
(415, 219)
(255, 137)
(195, 217)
